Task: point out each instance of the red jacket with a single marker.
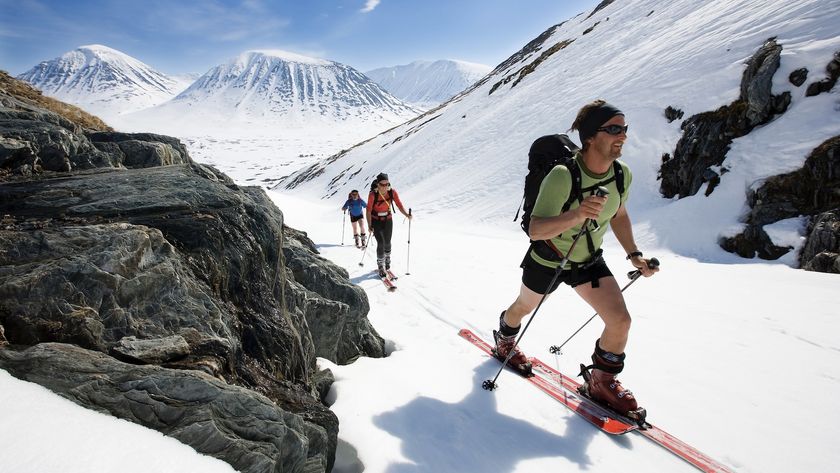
(381, 204)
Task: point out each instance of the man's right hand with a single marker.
(591, 207)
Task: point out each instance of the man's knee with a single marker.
(620, 321)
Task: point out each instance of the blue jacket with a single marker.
(355, 207)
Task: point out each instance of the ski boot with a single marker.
(358, 241)
(605, 389)
(364, 240)
(518, 361)
(381, 271)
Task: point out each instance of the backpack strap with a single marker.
(618, 172)
(575, 193)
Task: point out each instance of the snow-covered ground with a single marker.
(741, 360)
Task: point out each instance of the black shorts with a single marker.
(537, 277)
(355, 219)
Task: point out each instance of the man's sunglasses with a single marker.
(614, 129)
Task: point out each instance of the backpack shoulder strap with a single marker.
(618, 171)
(574, 192)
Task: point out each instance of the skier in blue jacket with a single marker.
(356, 206)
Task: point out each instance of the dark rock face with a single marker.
(228, 422)
(41, 141)
(672, 113)
(751, 242)
(707, 136)
(833, 73)
(339, 327)
(798, 77)
(822, 248)
(811, 190)
(121, 245)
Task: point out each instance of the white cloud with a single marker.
(370, 5)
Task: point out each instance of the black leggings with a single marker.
(382, 231)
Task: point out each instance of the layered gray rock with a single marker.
(228, 422)
(119, 244)
(338, 322)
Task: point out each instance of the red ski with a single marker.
(387, 282)
(564, 389)
(595, 414)
(674, 445)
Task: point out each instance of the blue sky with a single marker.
(178, 36)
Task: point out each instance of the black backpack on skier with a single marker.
(547, 152)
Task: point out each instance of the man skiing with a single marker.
(603, 131)
(355, 205)
(379, 217)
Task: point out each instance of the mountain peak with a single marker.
(287, 56)
(428, 83)
(102, 80)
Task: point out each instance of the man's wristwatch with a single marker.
(634, 254)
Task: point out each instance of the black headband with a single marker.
(596, 117)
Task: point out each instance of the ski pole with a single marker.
(490, 385)
(343, 224)
(362, 261)
(408, 257)
(633, 275)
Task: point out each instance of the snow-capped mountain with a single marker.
(272, 88)
(428, 83)
(103, 81)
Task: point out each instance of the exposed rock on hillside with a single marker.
(229, 422)
(822, 249)
(812, 190)
(707, 136)
(122, 246)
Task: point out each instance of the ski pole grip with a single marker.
(409, 210)
(653, 263)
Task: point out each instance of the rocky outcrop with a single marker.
(228, 422)
(811, 190)
(822, 248)
(157, 267)
(832, 74)
(339, 324)
(707, 136)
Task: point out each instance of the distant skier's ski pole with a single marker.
(633, 275)
(364, 252)
(491, 384)
(343, 224)
(408, 257)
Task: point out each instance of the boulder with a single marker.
(237, 425)
(154, 267)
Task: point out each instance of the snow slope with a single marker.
(428, 83)
(103, 81)
(642, 55)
